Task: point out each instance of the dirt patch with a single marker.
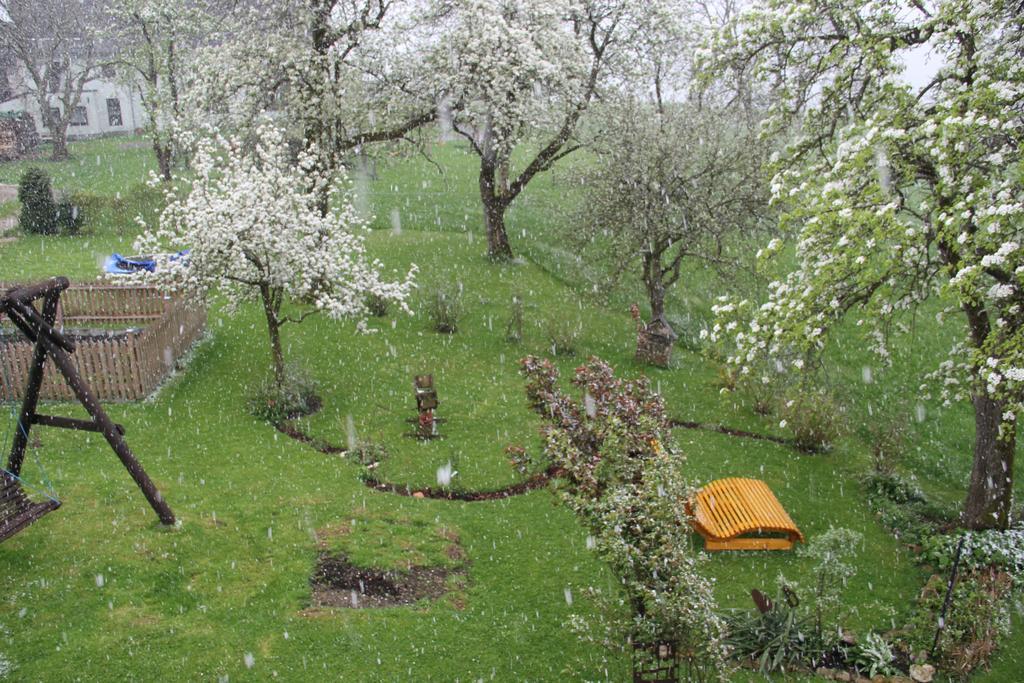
(338, 583)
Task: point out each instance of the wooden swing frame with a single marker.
(38, 326)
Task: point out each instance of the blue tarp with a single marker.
(115, 264)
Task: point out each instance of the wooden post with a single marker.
(35, 381)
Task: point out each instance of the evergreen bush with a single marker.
(38, 212)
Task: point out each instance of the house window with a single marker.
(114, 112)
(108, 71)
(79, 117)
(55, 114)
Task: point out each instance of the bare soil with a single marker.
(338, 583)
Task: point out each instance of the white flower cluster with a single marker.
(250, 221)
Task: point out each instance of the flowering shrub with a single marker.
(625, 480)
(982, 549)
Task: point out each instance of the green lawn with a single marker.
(98, 587)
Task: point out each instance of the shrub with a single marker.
(978, 616)
(624, 477)
(813, 417)
(367, 452)
(888, 438)
(38, 212)
(294, 398)
(563, 334)
(1003, 550)
(831, 552)
(873, 655)
(444, 306)
(69, 217)
(778, 639)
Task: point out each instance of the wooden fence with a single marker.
(143, 334)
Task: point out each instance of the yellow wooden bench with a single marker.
(727, 509)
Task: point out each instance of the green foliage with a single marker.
(367, 452)
(833, 553)
(902, 507)
(814, 418)
(444, 307)
(296, 397)
(1003, 550)
(978, 617)
(38, 212)
(780, 639)
(377, 305)
(69, 216)
(873, 655)
(624, 478)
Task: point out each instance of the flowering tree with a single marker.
(254, 231)
(624, 478)
(342, 73)
(897, 193)
(525, 71)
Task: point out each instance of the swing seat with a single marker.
(17, 511)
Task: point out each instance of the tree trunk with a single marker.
(274, 330)
(654, 285)
(498, 248)
(163, 159)
(991, 489)
(59, 135)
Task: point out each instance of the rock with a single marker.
(418, 494)
(848, 637)
(899, 679)
(922, 673)
(824, 672)
(843, 676)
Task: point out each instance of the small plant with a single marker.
(514, 328)
(888, 438)
(831, 552)
(519, 458)
(38, 212)
(367, 452)
(873, 656)
(813, 417)
(377, 305)
(444, 306)
(563, 335)
(294, 398)
(777, 639)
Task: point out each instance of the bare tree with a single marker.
(53, 41)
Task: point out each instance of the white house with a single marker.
(106, 107)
